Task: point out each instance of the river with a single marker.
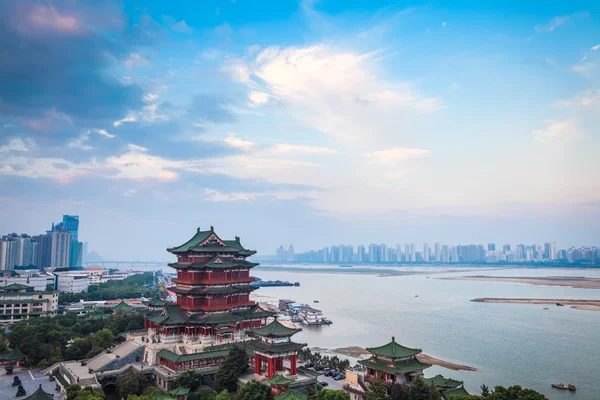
(509, 344)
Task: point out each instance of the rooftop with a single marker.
(276, 329)
(209, 241)
(393, 350)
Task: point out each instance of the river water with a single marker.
(508, 343)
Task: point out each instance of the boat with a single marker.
(564, 386)
(316, 301)
(546, 308)
(416, 295)
(560, 305)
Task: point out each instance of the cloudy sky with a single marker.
(304, 122)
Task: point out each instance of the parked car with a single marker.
(319, 368)
(327, 372)
(309, 365)
(339, 377)
(323, 383)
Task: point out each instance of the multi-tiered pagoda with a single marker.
(213, 303)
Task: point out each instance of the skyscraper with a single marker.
(70, 223)
(491, 247)
(25, 254)
(406, 252)
(520, 252)
(61, 249)
(8, 253)
(44, 250)
(426, 253)
(506, 248)
(550, 251)
(438, 253)
(290, 253)
(413, 253)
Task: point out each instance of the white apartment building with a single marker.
(72, 281)
(22, 302)
(39, 281)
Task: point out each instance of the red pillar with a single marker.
(293, 365)
(257, 364)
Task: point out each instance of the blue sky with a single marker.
(310, 122)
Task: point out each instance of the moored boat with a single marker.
(564, 386)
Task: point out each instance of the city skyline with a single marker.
(305, 120)
(439, 253)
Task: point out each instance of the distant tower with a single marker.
(491, 247)
(290, 253)
(426, 253)
(61, 249)
(438, 252)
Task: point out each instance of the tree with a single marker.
(485, 391)
(327, 394)
(205, 393)
(420, 391)
(78, 349)
(231, 369)
(101, 340)
(254, 390)
(376, 391)
(511, 393)
(189, 379)
(397, 392)
(3, 343)
(225, 395)
(132, 383)
(76, 392)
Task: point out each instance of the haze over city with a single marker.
(309, 122)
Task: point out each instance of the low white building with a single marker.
(19, 302)
(72, 281)
(95, 275)
(117, 276)
(38, 280)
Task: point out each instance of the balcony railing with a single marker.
(213, 281)
(216, 307)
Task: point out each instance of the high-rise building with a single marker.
(406, 252)
(520, 252)
(61, 249)
(445, 254)
(413, 253)
(44, 250)
(70, 223)
(438, 252)
(360, 254)
(8, 252)
(550, 251)
(25, 255)
(399, 253)
(491, 247)
(290, 253)
(506, 248)
(426, 253)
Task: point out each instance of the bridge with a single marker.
(127, 263)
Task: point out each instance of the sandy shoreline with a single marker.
(576, 304)
(580, 282)
(359, 352)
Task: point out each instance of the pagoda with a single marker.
(393, 363)
(273, 348)
(213, 306)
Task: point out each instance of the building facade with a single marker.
(19, 302)
(72, 281)
(61, 249)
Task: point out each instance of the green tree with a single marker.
(205, 393)
(420, 391)
(485, 391)
(231, 369)
(254, 390)
(376, 391)
(131, 383)
(3, 343)
(397, 392)
(327, 394)
(101, 340)
(76, 392)
(515, 393)
(189, 379)
(225, 395)
(78, 349)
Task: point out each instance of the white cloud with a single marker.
(258, 99)
(130, 192)
(80, 142)
(558, 132)
(584, 69)
(301, 149)
(129, 118)
(560, 21)
(397, 155)
(216, 196)
(444, 23)
(103, 132)
(182, 26)
(233, 141)
(17, 144)
(596, 47)
(341, 93)
(135, 60)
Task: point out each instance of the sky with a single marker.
(304, 122)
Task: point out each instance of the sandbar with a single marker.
(581, 282)
(579, 304)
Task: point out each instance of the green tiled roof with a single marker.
(230, 246)
(396, 367)
(177, 358)
(174, 315)
(157, 302)
(450, 393)
(122, 306)
(179, 391)
(439, 381)
(15, 354)
(276, 348)
(280, 380)
(292, 395)
(213, 290)
(39, 394)
(275, 328)
(16, 286)
(393, 350)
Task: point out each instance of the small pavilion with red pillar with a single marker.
(275, 353)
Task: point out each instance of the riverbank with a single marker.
(576, 304)
(359, 352)
(580, 282)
